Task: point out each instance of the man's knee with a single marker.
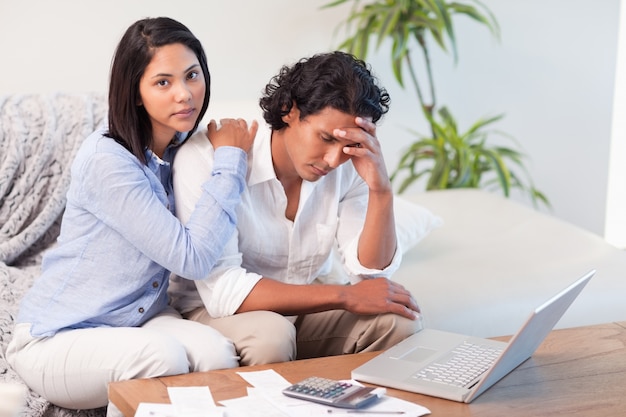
(401, 327)
(386, 331)
(272, 340)
(218, 354)
(407, 327)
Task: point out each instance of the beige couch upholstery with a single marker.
(494, 260)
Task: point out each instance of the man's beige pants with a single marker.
(265, 337)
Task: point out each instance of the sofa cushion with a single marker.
(496, 259)
(413, 222)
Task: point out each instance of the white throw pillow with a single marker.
(413, 222)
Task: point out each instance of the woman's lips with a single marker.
(184, 113)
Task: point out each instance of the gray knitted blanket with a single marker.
(39, 136)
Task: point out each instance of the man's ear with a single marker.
(293, 115)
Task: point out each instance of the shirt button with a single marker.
(141, 310)
(155, 284)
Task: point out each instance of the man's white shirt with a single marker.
(330, 215)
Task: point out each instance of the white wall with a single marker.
(615, 223)
(552, 73)
(67, 45)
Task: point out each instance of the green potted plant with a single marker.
(446, 157)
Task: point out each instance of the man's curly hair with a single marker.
(335, 79)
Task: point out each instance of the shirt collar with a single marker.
(262, 168)
(260, 158)
(168, 155)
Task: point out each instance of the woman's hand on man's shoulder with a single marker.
(232, 132)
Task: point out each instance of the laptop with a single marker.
(459, 367)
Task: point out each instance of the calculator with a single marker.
(331, 392)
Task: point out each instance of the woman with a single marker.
(99, 312)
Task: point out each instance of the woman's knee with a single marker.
(159, 355)
(73, 368)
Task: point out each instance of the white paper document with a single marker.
(266, 399)
(155, 410)
(268, 386)
(268, 379)
(194, 402)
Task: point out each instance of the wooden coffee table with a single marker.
(576, 372)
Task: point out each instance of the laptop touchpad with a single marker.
(417, 354)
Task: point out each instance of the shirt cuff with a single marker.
(358, 272)
(230, 159)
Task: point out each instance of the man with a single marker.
(317, 181)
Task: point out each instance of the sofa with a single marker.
(476, 262)
(39, 136)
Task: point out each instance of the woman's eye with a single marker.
(328, 139)
(193, 75)
(162, 83)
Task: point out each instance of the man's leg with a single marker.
(338, 332)
(206, 347)
(259, 336)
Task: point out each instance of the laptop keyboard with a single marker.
(465, 363)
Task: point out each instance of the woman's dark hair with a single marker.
(335, 79)
(129, 123)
